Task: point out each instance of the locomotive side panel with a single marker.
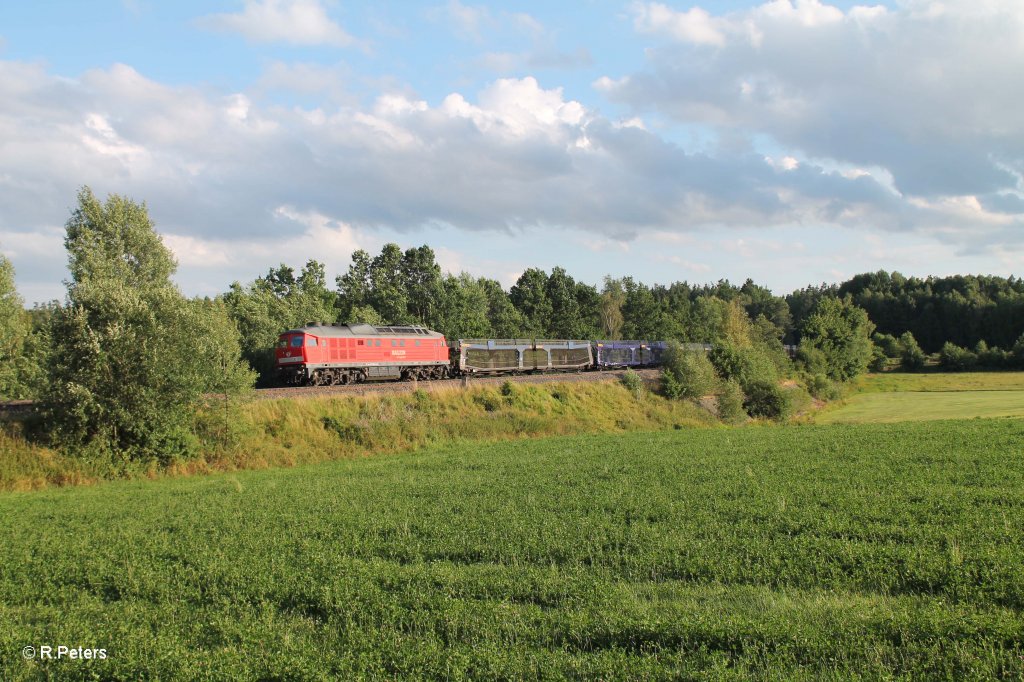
(327, 354)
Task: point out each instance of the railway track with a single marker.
(17, 409)
(648, 375)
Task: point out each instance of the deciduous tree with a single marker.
(131, 356)
(841, 332)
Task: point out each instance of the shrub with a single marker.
(1017, 357)
(955, 358)
(766, 399)
(692, 374)
(992, 357)
(670, 386)
(490, 401)
(912, 358)
(888, 344)
(811, 360)
(633, 383)
(745, 365)
(823, 388)
(879, 360)
(730, 402)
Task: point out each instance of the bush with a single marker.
(912, 358)
(730, 402)
(955, 358)
(811, 360)
(745, 365)
(888, 344)
(1017, 354)
(633, 383)
(823, 388)
(994, 358)
(489, 400)
(879, 360)
(693, 375)
(671, 388)
(766, 399)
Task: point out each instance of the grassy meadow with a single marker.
(894, 397)
(804, 552)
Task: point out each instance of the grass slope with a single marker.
(811, 552)
(271, 433)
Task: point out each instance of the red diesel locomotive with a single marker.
(325, 354)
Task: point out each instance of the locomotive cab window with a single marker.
(296, 341)
(282, 343)
(310, 341)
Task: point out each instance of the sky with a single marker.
(790, 141)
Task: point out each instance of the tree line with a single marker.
(122, 362)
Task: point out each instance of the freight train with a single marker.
(325, 354)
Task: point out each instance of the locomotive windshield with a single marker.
(296, 342)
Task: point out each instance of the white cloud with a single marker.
(694, 25)
(926, 91)
(326, 83)
(234, 180)
(298, 22)
(468, 21)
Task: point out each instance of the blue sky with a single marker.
(792, 141)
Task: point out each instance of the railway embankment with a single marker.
(299, 426)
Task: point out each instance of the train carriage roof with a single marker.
(361, 330)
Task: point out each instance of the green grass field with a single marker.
(941, 381)
(872, 551)
(901, 397)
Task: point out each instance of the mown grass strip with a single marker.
(941, 381)
(925, 405)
